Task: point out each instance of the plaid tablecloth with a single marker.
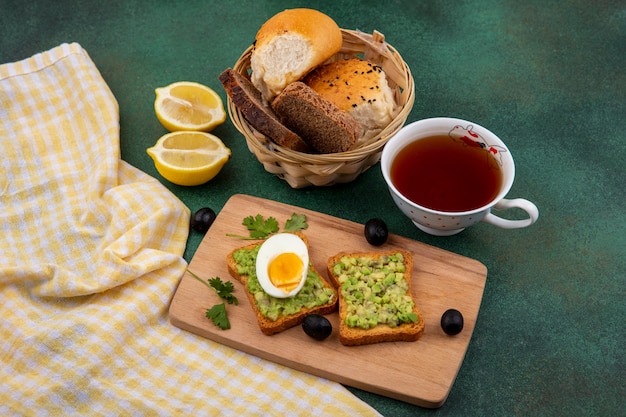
(90, 257)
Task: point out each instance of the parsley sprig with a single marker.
(260, 228)
(217, 313)
(224, 290)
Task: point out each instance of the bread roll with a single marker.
(289, 45)
(358, 88)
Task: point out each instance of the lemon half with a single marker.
(189, 158)
(190, 106)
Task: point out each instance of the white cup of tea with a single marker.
(447, 174)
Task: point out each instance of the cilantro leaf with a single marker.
(259, 227)
(224, 290)
(217, 314)
(296, 223)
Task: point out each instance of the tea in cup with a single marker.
(446, 174)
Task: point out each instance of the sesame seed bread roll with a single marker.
(289, 45)
(357, 87)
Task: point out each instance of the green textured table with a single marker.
(548, 77)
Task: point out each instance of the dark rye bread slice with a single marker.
(248, 100)
(321, 124)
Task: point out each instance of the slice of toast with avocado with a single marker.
(277, 314)
(375, 301)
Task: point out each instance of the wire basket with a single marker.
(303, 169)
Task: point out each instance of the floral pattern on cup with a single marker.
(449, 223)
(467, 136)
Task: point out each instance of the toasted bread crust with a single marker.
(267, 326)
(351, 336)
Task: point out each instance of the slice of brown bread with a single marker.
(354, 336)
(321, 124)
(283, 322)
(248, 100)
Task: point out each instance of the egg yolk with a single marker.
(285, 271)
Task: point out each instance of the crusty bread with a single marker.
(289, 45)
(260, 116)
(354, 336)
(358, 87)
(321, 124)
(284, 322)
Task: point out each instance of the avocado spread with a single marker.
(312, 294)
(375, 291)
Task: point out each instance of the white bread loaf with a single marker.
(357, 87)
(289, 45)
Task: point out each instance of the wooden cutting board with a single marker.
(420, 372)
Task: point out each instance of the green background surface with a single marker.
(548, 77)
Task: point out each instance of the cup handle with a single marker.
(527, 206)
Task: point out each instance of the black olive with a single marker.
(203, 219)
(376, 232)
(452, 322)
(317, 326)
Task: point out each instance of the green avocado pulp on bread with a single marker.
(312, 294)
(375, 291)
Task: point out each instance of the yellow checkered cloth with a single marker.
(90, 257)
